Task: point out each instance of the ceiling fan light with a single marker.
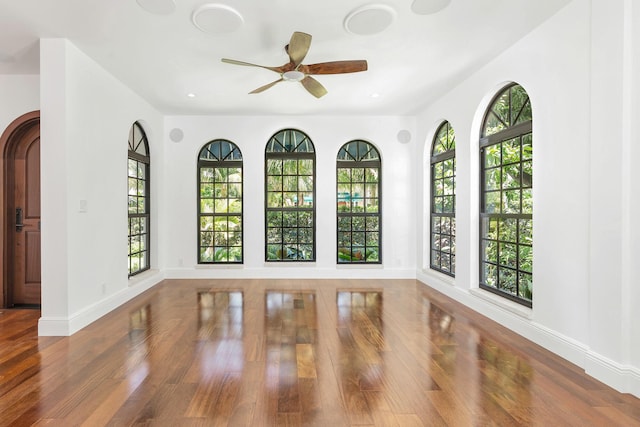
(370, 19)
(293, 76)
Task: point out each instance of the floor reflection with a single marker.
(492, 380)
(505, 381)
(220, 331)
(291, 330)
(137, 362)
(362, 342)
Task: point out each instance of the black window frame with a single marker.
(442, 222)
(366, 156)
(499, 231)
(138, 151)
(220, 154)
(289, 144)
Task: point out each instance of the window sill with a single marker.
(348, 266)
(510, 306)
(444, 278)
(219, 266)
(290, 264)
(142, 277)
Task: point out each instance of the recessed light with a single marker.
(370, 19)
(375, 95)
(428, 7)
(217, 18)
(158, 7)
(191, 95)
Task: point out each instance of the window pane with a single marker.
(274, 167)
(132, 168)
(371, 175)
(511, 151)
(492, 202)
(492, 156)
(511, 176)
(492, 179)
(511, 202)
(206, 174)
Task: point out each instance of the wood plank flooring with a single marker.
(293, 353)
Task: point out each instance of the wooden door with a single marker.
(26, 201)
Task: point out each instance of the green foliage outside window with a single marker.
(220, 230)
(358, 203)
(443, 197)
(290, 197)
(506, 224)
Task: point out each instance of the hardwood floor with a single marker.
(293, 352)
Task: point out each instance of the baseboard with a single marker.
(53, 327)
(623, 378)
(296, 271)
(58, 326)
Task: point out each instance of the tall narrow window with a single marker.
(290, 194)
(506, 205)
(443, 200)
(138, 200)
(358, 203)
(220, 230)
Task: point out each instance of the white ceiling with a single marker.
(163, 57)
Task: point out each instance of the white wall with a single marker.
(19, 94)
(328, 135)
(85, 119)
(614, 345)
(572, 68)
(631, 188)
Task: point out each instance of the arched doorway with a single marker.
(20, 216)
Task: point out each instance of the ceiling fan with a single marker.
(295, 71)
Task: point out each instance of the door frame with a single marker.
(20, 127)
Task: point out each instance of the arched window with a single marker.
(290, 172)
(138, 200)
(358, 203)
(220, 230)
(443, 200)
(506, 202)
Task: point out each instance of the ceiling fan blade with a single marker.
(248, 64)
(313, 86)
(265, 87)
(298, 47)
(335, 67)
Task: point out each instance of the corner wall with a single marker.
(85, 119)
(578, 69)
